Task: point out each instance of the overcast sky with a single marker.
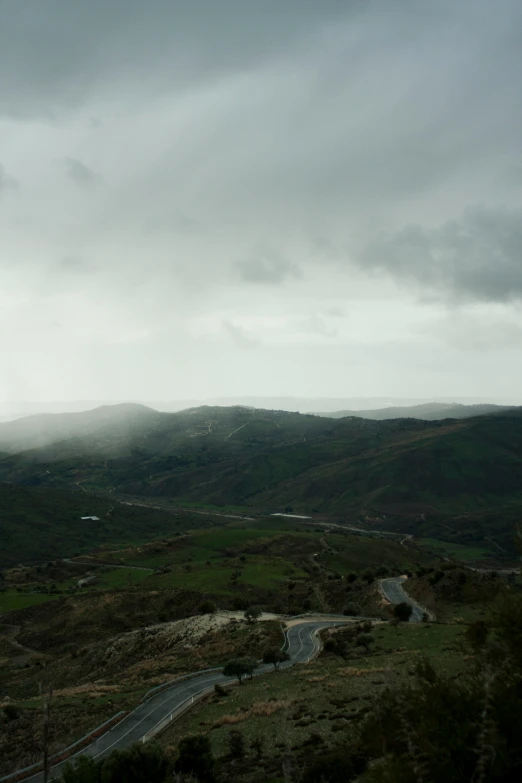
(260, 197)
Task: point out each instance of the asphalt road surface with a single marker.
(302, 645)
(393, 592)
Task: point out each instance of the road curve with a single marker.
(302, 644)
(393, 591)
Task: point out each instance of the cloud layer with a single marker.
(203, 199)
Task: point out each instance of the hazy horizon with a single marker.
(206, 200)
(299, 404)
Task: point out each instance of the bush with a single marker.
(364, 640)
(257, 746)
(236, 744)
(403, 611)
(10, 712)
(207, 607)
(350, 610)
(136, 764)
(335, 767)
(195, 757)
(253, 613)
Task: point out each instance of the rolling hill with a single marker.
(106, 422)
(269, 460)
(429, 411)
(44, 524)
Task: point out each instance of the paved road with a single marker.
(393, 592)
(302, 645)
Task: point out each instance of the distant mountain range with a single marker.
(428, 411)
(14, 410)
(403, 469)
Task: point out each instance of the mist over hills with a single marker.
(270, 460)
(10, 410)
(428, 411)
(107, 420)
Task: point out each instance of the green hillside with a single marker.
(44, 524)
(269, 460)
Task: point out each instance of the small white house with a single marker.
(94, 519)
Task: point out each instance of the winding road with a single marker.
(393, 591)
(139, 725)
(151, 716)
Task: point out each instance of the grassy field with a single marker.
(457, 551)
(12, 600)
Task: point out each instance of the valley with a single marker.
(118, 578)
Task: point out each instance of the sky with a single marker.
(290, 197)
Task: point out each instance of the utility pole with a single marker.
(46, 710)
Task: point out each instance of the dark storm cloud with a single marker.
(478, 257)
(55, 54)
(267, 267)
(79, 173)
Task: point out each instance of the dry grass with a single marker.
(259, 709)
(89, 689)
(351, 671)
(318, 678)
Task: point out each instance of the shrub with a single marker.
(195, 757)
(257, 746)
(364, 640)
(253, 613)
(350, 610)
(10, 712)
(236, 744)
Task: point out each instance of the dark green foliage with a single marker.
(81, 770)
(257, 745)
(339, 766)
(350, 610)
(252, 613)
(195, 757)
(136, 764)
(275, 656)
(236, 744)
(364, 640)
(477, 634)
(207, 607)
(403, 612)
(219, 690)
(9, 712)
(239, 667)
(446, 729)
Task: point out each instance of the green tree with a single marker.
(239, 667)
(207, 607)
(82, 770)
(195, 758)
(275, 656)
(350, 610)
(136, 764)
(403, 611)
(252, 613)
